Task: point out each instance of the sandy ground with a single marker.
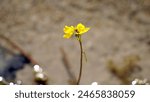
(118, 28)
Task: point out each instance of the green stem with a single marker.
(81, 60)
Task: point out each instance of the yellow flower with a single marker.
(80, 29)
(69, 31)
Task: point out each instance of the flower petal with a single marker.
(67, 35)
(69, 30)
(81, 28)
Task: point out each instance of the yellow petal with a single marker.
(81, 28)
(69, 30)
(67, 36)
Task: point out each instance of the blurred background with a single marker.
(117, 45)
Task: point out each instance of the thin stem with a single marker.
(81, 57)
